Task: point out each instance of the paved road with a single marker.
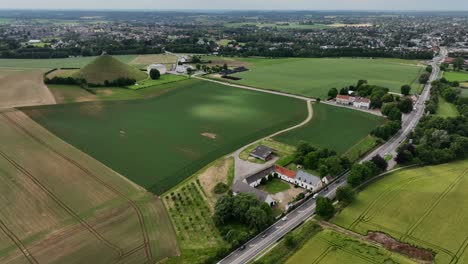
(275, 232)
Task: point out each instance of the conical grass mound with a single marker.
(107, 68)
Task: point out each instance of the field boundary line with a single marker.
(18, 243)
(61, 203)
(323, 254)
(96, 178)
(349, 251)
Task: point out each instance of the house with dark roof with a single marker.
(262, 152)
(308, 181)
(242, 187)
(255, 179)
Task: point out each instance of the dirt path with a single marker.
(23, 88)
(244, 168)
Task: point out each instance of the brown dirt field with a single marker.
(71, 94)
(23, 88)
(402, 248)
(61, 73)
(214, 175)
(69, 207)
(154, 58)
(209, 135)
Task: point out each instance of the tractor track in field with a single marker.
(61, 203)
(146, 241)
(18, 243)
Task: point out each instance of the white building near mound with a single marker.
(160, 67)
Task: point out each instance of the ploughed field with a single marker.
(333, 127)
(314, 77)
(59, 205)
(159, 142)
(424, 207)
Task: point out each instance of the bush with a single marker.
(155, 74)
(220, 188)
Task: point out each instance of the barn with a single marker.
(160, 67)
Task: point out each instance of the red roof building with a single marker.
(283, 171)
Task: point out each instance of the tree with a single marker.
(333, 165)
(332, 93)
(345, 194)
(190, 71)
(424, 78)
(458, 63)
(406, 105)
(429, 69)
(290, 241)
(405, 89)
(155, 74)
(388, 98)
(361, 82)
(223, 210)
(257, 218)
(225, 67)
(325, 208)
(380, 162)
(444, 66)
(395, 114)
(220, 188)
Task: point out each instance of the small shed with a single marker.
(262, 152)
(160, 67)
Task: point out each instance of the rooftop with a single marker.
(262, 152)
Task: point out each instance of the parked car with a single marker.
(315, 196)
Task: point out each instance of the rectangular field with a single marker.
(456, 76)
(446, 109)
(59, 205)
(333, 127)
(331, 247)
(76, 62)
(159, 142)
(314, 77)
(424, 206)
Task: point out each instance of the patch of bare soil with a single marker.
(393, 245)
(212, 176)
(287, 196)
(209, 135)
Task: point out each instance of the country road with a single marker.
(275, 232)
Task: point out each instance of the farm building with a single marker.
(160, 67)
(358, 102)
(183, 68)
(262, 152)
(242, 187)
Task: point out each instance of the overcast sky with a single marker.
(240, 4)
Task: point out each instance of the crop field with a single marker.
(76, 62)
(23, 88)
(59, 205)
(159, 142)
(314, 77)
(333, 127)
(167, 78)
(456, 76)
(190, 207)
(141, 61)
(331, 247)
(361, 148)
(446, 109)
(424, 206)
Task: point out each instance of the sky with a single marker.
(456, 5)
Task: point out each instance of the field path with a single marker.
(244, 168)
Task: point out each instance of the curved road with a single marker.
(275, 232)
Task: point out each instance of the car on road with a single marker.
(242, 247)
(264, 235)
(315, 196)
(284, 219)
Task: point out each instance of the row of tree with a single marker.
(119, 82)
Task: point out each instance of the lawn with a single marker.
(275, 186)
(464, 92)
(333, 127)
(159, 142)
(281, 150)
(314, 77)
(361, 148)
(55, 197)
(167, 78)
(456, 76)
(424, 206)
(446, 109)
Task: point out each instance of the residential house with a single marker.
(242, 187)
(361, 102)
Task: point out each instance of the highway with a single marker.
(275, 232)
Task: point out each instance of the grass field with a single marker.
(275, 186)
(333, 127)
(281, 150)
(464, 92)
(167, 78)
(361, 148)
(456, 76)
(424, 206)
(159, 142)
(23, 88)
(141, 61)
(446, 109)
(314, 77)
(77, 62)
(331, 247)
(61, 206)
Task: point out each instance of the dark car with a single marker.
(242, 247)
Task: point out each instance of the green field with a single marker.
(456, 76)
(314, 77)
(77, 62)
(276, 25)
(331, 247)
(275, 186)
(446, 109)
(159, 142)
(167, 78)
(361, 148)
(464, 92)
(424, 206)
(333, 127)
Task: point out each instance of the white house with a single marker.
(361, 102)
(160, 67)
(183, 68)
(308, 181)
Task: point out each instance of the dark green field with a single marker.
(159, 142)
(333, 127)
